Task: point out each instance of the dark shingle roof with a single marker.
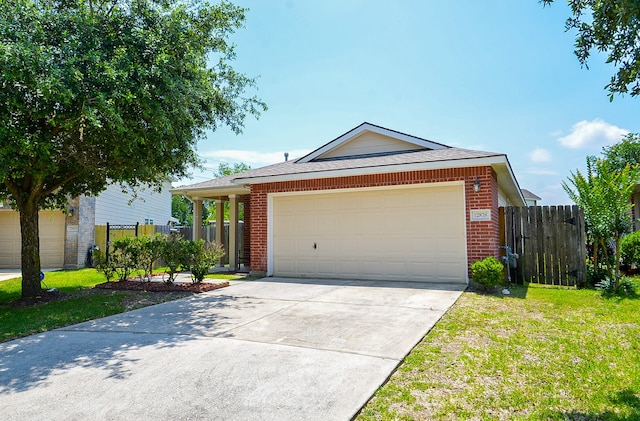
(453, 155)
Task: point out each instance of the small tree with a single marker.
(604, 194)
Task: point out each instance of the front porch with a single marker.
(221, 191)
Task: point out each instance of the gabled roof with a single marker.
(528, 195)
(413, 142)
(426, 159)
(408, 153)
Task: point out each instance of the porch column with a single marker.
(197, 219)
(220, 227)
(233, 232)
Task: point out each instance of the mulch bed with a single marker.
(161, 286)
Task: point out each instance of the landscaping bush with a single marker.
(101, 264)
(630, 249)
(201, 256)
(596, 274)
(140, 253)
(622, 287)
(124, 256)
(488, 272)
(149, 251)
(174, 251)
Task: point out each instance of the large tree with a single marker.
(626, 152)
(101, 91)
(613, 28)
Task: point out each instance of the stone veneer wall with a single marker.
(79, 231)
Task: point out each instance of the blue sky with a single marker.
(494, 75)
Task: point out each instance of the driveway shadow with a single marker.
(105, 344)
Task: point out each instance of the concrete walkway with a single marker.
(273, 349)
(17, 273)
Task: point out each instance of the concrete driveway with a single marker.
(273, 349)
(9, 274)
(17, 273)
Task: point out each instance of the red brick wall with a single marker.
(482, 237)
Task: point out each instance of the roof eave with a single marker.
(210, 192)
(434, 165)
(508, 182)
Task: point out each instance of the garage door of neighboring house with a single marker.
(51, 239)
(401, 233)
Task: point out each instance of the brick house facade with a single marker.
(292, 229)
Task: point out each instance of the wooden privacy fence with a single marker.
(550, 243)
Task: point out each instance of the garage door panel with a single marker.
(404, 233)
(52, 227)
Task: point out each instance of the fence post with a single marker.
(106, 251)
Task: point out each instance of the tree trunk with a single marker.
(29, 230)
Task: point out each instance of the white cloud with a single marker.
(254, 159)
(595, 133)
(540, 155)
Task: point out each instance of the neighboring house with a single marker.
(374, 204)
(530, 198)
(66, 238)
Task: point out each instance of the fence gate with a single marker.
(550, 242)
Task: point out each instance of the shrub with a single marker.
(596, 274)
(630, 249)
(149, 251)
(201, 256)
(107, 268)
(124, 256)
(488, 272)
(622, 287)
(174, 252)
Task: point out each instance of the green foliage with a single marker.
(626, 152)
(140, 253)
(182, 210)
(611, 27)
(597, 273)
(147, 251)
(102, 265)
(174, 252)
(201, 256)
(106, 91)
(224, 170)
(630, 249)
(488, 272)
(604, 195)
(622, 287)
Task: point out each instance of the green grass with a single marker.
(65, 281)
(539, 354)
(83, 303)
(19, 321)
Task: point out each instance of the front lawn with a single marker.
(75, 302)
(541, 353)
